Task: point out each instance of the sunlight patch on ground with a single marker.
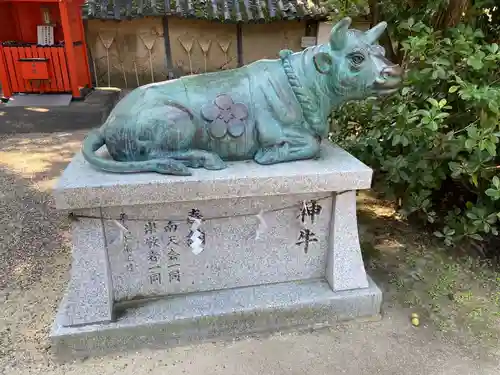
(21, 269)
(37, 109)
(374, 206)
(46, 185)
(28, 163)
(23, 163)
(108, 88)
(388, 245)
(39, 158)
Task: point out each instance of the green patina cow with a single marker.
(270, 111)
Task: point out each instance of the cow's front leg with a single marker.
(293, 145)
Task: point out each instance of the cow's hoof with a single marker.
(214, 163)
(272, 155)
(172, 167)
(193, 163)
(266, 156)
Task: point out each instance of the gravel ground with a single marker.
(35, 256)
(34, 250)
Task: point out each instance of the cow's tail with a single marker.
(95, 140)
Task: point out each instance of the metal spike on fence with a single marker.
(224, 44)
(149, 40)
(205, 48)
(107, 38)
(187, 42)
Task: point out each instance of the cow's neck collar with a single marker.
(310, 88)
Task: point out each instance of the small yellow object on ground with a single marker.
(415, 322)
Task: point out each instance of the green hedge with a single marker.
(434, 145)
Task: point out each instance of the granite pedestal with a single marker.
(165, 260)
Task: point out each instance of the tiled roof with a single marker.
(217, 10)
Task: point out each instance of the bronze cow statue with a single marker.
(271, 111)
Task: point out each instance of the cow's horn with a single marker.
(338, 34)
(375, 32)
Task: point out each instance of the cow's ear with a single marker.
(338, 34)
(323, 62)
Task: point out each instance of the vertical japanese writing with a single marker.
(123, 218)
(306, 236)
(153, 243)
(127, 237)
(127, 248)
(194, 214)
(150, 227)
(173, 257)
(170, 227)
(155, 277)
(311, 210)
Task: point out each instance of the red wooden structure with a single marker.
(58, 66)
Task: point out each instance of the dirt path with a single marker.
(35, 258)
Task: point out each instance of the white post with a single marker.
(344, 268)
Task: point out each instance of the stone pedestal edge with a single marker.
(222, 315)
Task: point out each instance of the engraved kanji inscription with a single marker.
(173, 256)
(126, 245)
(155, 278)
(170, 227)
(150, 227)
(306, 236)
(172, 240)
(174, 275)
(127, 237)
(153, 256)
(152, 242)
(194, 213)
(311, 210)
(123, 218)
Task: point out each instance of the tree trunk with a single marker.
(385, 40)
(452, 14)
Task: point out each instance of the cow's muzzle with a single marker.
(390, 80)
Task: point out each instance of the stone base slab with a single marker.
(223, 314)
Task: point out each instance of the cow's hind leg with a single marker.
(171, 139)
(194, 158)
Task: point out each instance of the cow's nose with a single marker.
(392, 71)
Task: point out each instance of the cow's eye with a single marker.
(357, 59)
